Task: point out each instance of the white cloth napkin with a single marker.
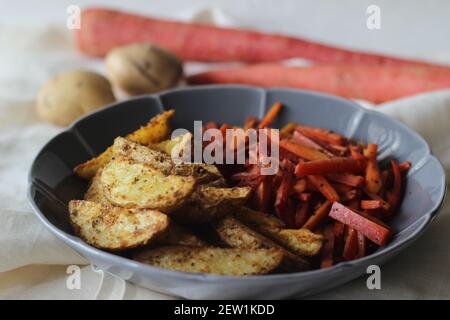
(33, 263)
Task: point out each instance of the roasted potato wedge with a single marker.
(207, 204)
(302, 241)
(256, 218)
(177, 235)
(156, 130)
(162, 161)
(237, 235)
(112, 228)
(231, 262)
(138, 185)
(95, 191)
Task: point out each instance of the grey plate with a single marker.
(52, 183)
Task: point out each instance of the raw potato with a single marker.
(230, 262)
(156, 130)
(112, 228)
(302, 241)
(236, 235)
(72, 94)
(143, 68)
(207, 204)
(138, 185)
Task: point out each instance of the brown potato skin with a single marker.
(222, 261)
(99, 225)
(141, 68)
(70, 95)
(237, 235)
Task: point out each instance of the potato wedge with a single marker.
(162, 161)
(138, 185)
(237, 235)
(256, 218)
(112, 228)
(230, 262)
(156, 130)
(207, 204)
(301, 242)
(177, 235)
(95, 191)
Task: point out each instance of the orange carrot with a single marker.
(262, 196)
(334, 165)
(301, 151)
(270, 115)
(385, 205)
(300, 186)
(369, 226)
(250, 122)
(394, 195)
(288, 129)
(351, 244)
(393, 82)
(404, 166)
(373, 175)
(324, 187)
(304, 140)
(304, 197)
(362, 245)
(323, 135)
(371, 204)
(104, 29)
(301, 214)
(347, 179)
(327, 252)
(319, 215)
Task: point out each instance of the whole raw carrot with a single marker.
(368, 82)
(103, 29)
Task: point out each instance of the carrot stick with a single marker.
(369, 226)
(250, 122)
(386, 206)
(301, 214)
(301, 151)
(288, 129)
(339, 239)
(347, 179)
(304, 140)
(304, 197)
(404, 166)
(371, 204)
(393, 82)
(270, 115)
(362, 245)
(323, 135)
(334, 165)
(354, 152)
(324, 187)
(262, 196)
(394, 195)
(327, 252)
(300, 186)
(373, 175)
(351, 244)
(318, 216)
(103, 29)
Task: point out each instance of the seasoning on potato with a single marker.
(143, 68)
(72, 94)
